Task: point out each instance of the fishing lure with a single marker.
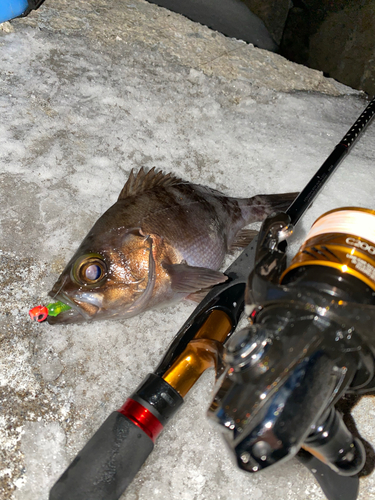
(40, 313)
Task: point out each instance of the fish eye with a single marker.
(93, 272)
(89, 269)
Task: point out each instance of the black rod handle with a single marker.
(107, 464)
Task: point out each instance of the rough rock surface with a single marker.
(88, 91)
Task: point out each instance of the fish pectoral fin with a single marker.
(188, 279)
(242, 239)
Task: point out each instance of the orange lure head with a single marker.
(38, 313)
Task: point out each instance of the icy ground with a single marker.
(89, 91)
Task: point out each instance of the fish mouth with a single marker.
(80, 311)
(89, 308)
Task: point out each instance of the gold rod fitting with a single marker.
(201, 353)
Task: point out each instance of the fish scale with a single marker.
(163, 240)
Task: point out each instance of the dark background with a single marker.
(333, 36)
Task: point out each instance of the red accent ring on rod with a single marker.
(142, 417)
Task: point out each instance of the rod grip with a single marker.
(107, 464)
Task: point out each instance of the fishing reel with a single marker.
(310, 341)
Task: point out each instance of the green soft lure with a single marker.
(40, 313)
(56, 308)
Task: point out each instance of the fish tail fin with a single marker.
(261, 206)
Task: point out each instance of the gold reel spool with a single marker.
(342, 239)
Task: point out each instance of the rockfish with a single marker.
(163, 240)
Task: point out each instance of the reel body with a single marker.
(311, 341)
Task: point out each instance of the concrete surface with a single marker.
(90, 90)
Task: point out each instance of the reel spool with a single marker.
(340, 246)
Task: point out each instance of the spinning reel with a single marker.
(309, 344)
(311, 341)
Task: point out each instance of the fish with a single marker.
(163, 240)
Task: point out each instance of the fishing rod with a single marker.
(107, 464)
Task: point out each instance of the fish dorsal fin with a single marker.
(144, 181)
